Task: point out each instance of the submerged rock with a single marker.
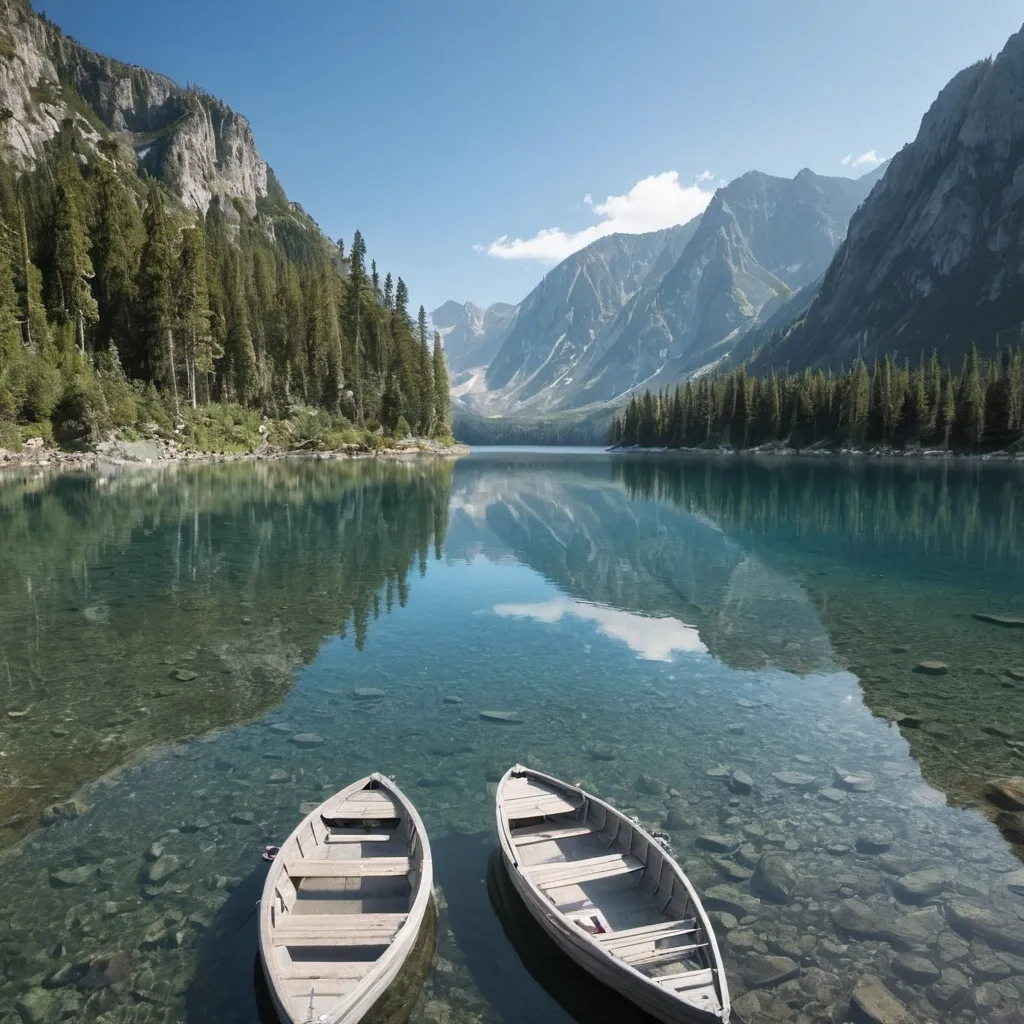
(916, 969)
(766, 971)
(66, 811)
(451, 699)
(795, 780)
(1007, 793)
(651, 786)
(307, 739)
(774, 879)
(742, 783)
(34, 1006)
(717, 844)
(919, 886)
(367, 693)
(876, 840)
(507, 717)
(184, 675)
(678, 820)
(107, 970)
(1006, 621)
(160, 870)
(999, 931)
(68, 878)
(931, 668)
(873, 1003)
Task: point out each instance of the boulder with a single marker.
(34, 1006)
(919, 886)
(651, 786)
(931, 668)
(741, 782)
(70, 877)
(875, 840)
(795, 780)
(873, 1003)
(774, 879)
(999, 931)
(107, 970)
(506, 717)
(718, 843)
(767, 971)
(307, 739)
(1007, 793)
(916, 969)
(68, 810)
(160, 870)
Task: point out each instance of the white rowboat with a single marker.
(344, 902)
(611, 897)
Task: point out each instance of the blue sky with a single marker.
(439, 128)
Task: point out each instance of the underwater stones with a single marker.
(731, 871)
(34, 1006)
(184, 675)
(951, 990)
(916, 969)
(1015, 881)
(677, 820)
(875, 840)
(730, 900)
(650, 786)
(158, 871)
(68, 878)
(17, 716)
(1015, 673)
(873, 1003)
(855, 782)
(1007, 793)
(277, 776)
(195, 825)
(366, 693)
(1006, 621)
(718, 772)
(735, 729)
(451, 699)
(931, 668)
(748, 855)
(155, 851)
(919, 886)
(716, 843)
(833, 795)
(106, 970)
(68, 810)
(741, 782)
(767, 971)
(999, 931)
(502, 717)
(795, 780)
(305, 740)
(601, 753)
(282, 728)
(243, 817)
(774, 879)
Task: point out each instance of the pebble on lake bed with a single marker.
(931, 668)
(508, 717)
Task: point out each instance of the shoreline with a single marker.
(781, 452)
(160, 453)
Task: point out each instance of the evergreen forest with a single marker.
(977, 407)
(122, 311)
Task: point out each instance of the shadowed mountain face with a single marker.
(472, 336)
(934, 257)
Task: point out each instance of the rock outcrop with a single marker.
(935, 256)
(197, 146)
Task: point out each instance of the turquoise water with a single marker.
(166, 637)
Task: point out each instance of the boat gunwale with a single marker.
(542, 901)
(414, 917)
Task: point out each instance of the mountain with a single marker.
(632, 310)
(935, 256)
(557, 323)
(472, 336)
(197, 146)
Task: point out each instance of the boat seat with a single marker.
(547, 834)
(335, 970)
(537, 806)
(616, 941)
(554, 876)
(337, 929)
(362, 868)
(336, 837)
(687, 979)
(650, 957)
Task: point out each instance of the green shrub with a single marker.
(222, 428)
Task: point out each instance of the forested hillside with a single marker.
(976, 408)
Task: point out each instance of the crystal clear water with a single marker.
(179, 651)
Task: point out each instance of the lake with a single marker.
(179, 648)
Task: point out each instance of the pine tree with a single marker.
(442, 398)
(426, 377)
(155, 359)
(10, 326)
(193, 310)
(73, 270)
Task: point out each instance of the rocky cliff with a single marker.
(200, 148)
(935, 256)
(472, 336)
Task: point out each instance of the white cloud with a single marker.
(868, 159)
(653, 639)
(704, 176)
(651, 204)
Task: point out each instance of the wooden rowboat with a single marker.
(343, 903)
(611, 897)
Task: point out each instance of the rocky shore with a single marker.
(777, 449)
(153, 451)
